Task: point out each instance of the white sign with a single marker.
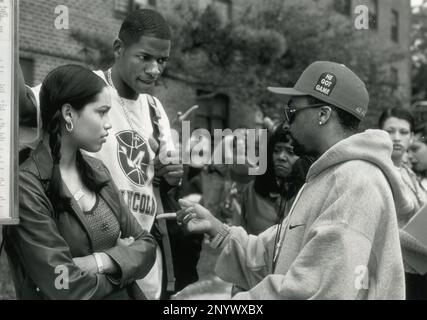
(8, 113)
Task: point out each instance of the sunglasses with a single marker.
(290, 111)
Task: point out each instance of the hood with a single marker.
(374, 146)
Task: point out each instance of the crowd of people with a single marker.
(325, 221)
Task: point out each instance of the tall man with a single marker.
(141, 128)
(340, 239)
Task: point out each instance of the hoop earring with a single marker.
(70, 126)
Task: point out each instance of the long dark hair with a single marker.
(422, 131)
(74, 85)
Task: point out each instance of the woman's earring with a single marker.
(69, 126)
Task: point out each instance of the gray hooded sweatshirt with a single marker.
(340, 240)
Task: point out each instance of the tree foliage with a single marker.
(270, 45)
(96, 49)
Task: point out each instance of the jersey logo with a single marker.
(134, 157)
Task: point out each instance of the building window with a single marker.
(395, 26)
(138, 4)
(373, 14)
(394, 78)
(122, 7)
(343, 7)
(27, 66)
(420, 112)
(224, 9)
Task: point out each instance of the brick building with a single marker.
(389, 25)
(43, 46)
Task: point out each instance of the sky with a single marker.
(415, 2)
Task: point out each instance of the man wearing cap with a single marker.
(340, 240)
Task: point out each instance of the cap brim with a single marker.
(286, 91)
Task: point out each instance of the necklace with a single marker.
(281, 218)
(79, 195)
(122, 102)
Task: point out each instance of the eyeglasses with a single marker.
(290, 111)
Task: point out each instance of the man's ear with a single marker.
(324, 114)
(118, 47)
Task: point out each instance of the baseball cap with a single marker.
(332, 83)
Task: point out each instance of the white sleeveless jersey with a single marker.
(128, 155)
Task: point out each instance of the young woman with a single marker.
(76, 238)
(399, 123)
(418, 154)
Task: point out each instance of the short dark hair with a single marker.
(397, 112)
(144, 22)
(266, 183)
(348, 121)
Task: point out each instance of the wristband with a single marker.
(99, 263)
